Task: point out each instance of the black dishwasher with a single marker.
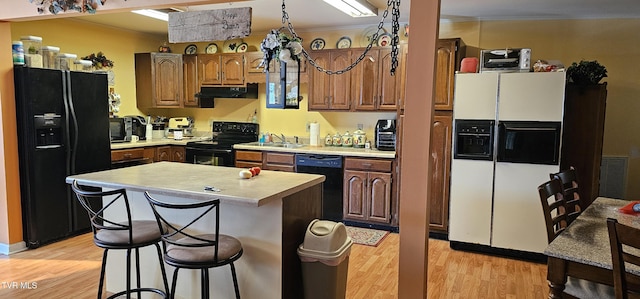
(331, 167)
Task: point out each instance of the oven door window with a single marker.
(210, 157)
(529, 142)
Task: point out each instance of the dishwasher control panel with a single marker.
(332, 161)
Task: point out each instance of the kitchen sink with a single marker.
(276, 144)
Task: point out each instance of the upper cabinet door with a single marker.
(233, 69)
(209, 71)
(190, 80)
(168, 79)
(319, 82)
(390, 86)
(340, 95)
(449, 52)
(364, 84)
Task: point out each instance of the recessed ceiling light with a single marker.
(355, 8)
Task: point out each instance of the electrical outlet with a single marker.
(308, 127)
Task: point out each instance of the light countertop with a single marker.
(188, 181)
(155, 142)
(325, 150)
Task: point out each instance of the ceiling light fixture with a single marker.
(355, 8)
(153, 14)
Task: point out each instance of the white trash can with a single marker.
(325, 260)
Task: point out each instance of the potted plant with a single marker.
(586, 72)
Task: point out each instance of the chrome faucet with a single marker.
(281, 137)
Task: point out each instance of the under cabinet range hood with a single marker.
(250, 91)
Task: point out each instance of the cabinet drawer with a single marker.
(128, 154)
(244, 164)
(368, 164)
(279, 167)
(279, 158)
(249, 156)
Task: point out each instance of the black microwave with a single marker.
(120, 129)
(531, 142)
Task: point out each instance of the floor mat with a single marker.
(366, 236)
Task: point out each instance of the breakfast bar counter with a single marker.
(268, 213)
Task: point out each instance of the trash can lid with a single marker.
(326, 236)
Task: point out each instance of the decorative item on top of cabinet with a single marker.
(158, 80)
(367, 190)
(221, 69)
(190, 81)
(582, 136)
(330, 92)
(449, 54)
(255, 74)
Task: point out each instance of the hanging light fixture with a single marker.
(355, 8)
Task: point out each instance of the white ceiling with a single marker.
(315, 15)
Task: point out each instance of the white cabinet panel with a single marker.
(518, 221)
(475, 96)
(531, 96)
(470, 201)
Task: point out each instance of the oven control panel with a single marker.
(235, 128)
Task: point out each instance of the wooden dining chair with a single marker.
(553, 205)
(184, 249)
(555, 216)
(574, 203)
(625, 251)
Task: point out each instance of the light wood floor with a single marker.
(70, 269)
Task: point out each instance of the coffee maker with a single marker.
(385, 135)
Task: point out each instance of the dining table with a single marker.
(582, 250)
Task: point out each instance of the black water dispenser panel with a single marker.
(48, 130)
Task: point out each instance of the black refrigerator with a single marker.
(63, 129)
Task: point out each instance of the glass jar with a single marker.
(32, 50)
(64, 61)
(83, 65)
(49, 55)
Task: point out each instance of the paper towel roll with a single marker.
(314, 133)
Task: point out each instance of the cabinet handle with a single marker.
(127, 155)
(368, 165)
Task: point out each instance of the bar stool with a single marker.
(184, 249)
(124, 235)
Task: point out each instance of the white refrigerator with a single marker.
(495, 203)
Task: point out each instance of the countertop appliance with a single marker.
(331, 167)
(139, 126)
(63, 129)
(505, 60)
(120, 129)
(219, 150)
(385, 135)
(494, 203)
(184, 124)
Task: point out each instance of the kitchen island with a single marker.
(268, 213)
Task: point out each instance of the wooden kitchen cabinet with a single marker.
(191, 85)
(279, 161)
(221, 69)
(159, 80)
(256, 74)
(367, 190)
(330, 92)
(449, 54)
(129, 157)
(441, 133)
(248, 159)
(178, 153)
(373, 88)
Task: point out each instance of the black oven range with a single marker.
(219, 150)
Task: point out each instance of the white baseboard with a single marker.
(7, 249)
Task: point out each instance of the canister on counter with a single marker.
(328, 140)
(49, 54)
(347, 139)
(337, 139)
(64, 61)
(83, 65)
